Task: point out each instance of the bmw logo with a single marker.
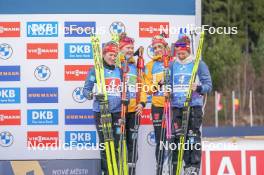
(77, 95)
(5, 51)
(117, 27)
(151, 139)
(150, 51)
(6, 139)
(42, 73)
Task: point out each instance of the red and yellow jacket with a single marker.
(153, 75)
(132, 80)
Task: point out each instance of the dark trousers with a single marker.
(192, 156)
(132, 124)
(131, 133)
(116, 135)
(157, 113)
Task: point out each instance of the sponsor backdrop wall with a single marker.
(44, 59)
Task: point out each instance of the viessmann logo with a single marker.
(9, 29)
(151, 29)
(76, 72)
(10, 117)
(42, 50)
(42, 138)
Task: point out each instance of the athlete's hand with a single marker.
(139, 109)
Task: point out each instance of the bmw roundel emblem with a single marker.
(77, 95)
(117, 27)
(42, 73)
(6, 139)
(6, 51)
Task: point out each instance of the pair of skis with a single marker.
(122, 147)
(186, 111)
(164, 165)
(140, 70)
(123, 165)
(106, 118)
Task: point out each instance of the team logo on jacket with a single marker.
(5, 51)
(77, 95)
(6, 139)
(117, 27)
(42, 73)
(151, 139)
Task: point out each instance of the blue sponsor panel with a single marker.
(9, 95)
(42, 95)
(42, 29)
(49, 167)
(175, 7)
(78, 51)
(80, 138)
(42, 116)
(79, 117)
(79, 29)
(9, 73)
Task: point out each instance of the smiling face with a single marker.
(128, 50)
(159, 49)
(182, 54)
(110, 58)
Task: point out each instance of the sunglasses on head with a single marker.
(180, 44)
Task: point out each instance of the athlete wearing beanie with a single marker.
(181, 71)
(154, 80)
(126, 46)
(112, 74)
